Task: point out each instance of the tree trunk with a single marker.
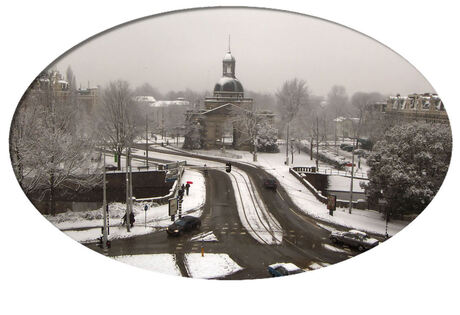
(52, 198)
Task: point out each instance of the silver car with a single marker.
(354, 238)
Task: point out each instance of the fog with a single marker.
(184, 50)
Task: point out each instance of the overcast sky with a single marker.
(185, 50)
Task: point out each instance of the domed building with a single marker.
(218, 122)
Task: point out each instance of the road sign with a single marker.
(331, 203)
(172, 206)
(171, 175)
(173, 165)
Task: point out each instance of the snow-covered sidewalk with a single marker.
(86, 226)
(209, 266)
(163, 263)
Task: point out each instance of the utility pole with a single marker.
(287, 145)
(104, 209)
(130, 185)
(355, 144)
(162, 123)
(317, 143)
(352, 173)
(128, 224)
(147, 140)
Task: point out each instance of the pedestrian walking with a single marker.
(187, 187)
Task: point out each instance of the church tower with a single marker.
(228, 65)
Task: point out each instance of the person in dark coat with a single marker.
(131, 218)
(187, 187)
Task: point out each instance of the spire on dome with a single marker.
(228, 63)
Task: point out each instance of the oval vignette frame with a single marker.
(231, 89)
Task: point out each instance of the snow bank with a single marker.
(205, 237)
(164, 263)
(210, 266)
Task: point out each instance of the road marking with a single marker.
(243, 233)
(304, 219)
(280, 195)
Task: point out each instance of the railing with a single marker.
(329, 171)
(318, 194)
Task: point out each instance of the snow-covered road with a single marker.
(254, 216)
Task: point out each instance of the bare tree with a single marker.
(22, 136)
(360, 100)
(247, 123)
(337, 104)
(49, 155)
(71, 79)
(291, 97)
(117, 117)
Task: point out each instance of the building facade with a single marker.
(422, 107)
(221, 120)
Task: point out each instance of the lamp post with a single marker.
(287, 145)
(104, 209)
(147, 140)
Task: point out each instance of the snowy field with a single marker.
(85, 226)
(163, 263)
(210, 265)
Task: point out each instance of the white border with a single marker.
(43, 270)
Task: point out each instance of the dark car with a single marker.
(348, 148)
(111, 167)
(354, 238)
(184, 224)
(270, 183)
(283, 269)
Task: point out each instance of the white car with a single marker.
(354, 238)
(283, 269)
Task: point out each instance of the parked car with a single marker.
(283, 269)
(362, 153)
(184, 224)
(354, 238)
(347, 148)
(270, 183)
(110, 167)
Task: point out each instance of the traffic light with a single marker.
(228, 167)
